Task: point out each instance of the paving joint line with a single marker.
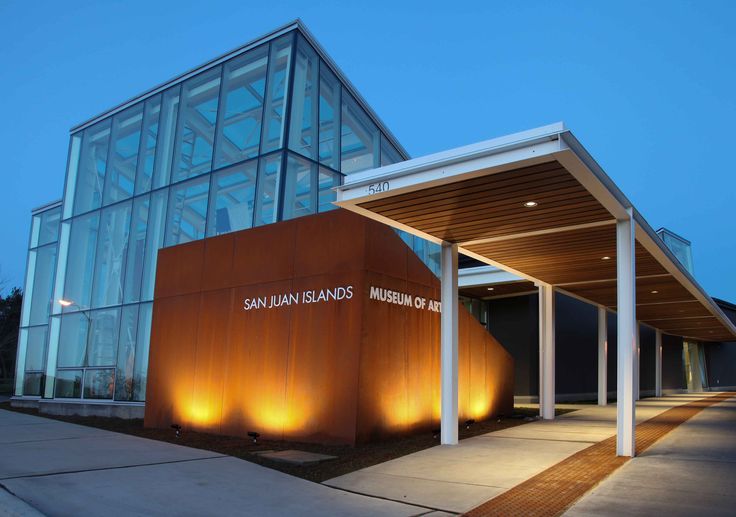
(119, 467)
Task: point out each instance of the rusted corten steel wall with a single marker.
(343, 370)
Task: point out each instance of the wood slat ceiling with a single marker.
(493, 205)
(499, 290)
(486, 216)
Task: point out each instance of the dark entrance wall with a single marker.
(514, 322)
(339, 370)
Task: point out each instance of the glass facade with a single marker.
(257, 138)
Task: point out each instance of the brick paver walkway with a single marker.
(554, 490)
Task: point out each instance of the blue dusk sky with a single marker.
(648, 87)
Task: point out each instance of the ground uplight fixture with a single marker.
(254, 435)
(530, 204)
(436, 433)
(177, 429)
(468, 423)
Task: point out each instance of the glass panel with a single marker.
(154, 241)
(278, 79)
(359, 139)
(327, 181)
(112, 249)
(81, 257)
(196, 133)
(329, 118)
(303, 120)
(99, 384)
(126, 137)
(126, 353)
(92, 167)
(69, 384)
(241, 110)
(136, 250)
(299, 191)
(36, 348)
(267, 197)
(166, 134)
(102, 347)
(48, 230)
(33, 384)
(43, 282)
(389, 154)
(147, 156)
(73, 339)
(232, 198)
(140, 370)
(187, 211)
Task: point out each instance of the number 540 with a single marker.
(376, 188)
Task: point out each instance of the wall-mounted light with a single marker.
(254, 435)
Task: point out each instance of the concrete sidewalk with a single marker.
(459, 478)
(691, 471)
(57, 468)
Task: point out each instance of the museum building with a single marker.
(198, 270)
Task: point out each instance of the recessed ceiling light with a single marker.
(530, 204)
(490, 288)
(606, 258)
(655, 292)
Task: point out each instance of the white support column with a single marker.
(626, 342)
(546, 352)
(448, 346)
(602, 356)
(637, 360)
(658, 363)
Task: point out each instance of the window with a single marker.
(232, 199)
(112, 250)
(326, 183)
(89, 338)
(136, 249)
(241, 109)
(68, 384)
(33, 384)
(147, 152)
(92, 166)
(48, 226)
(299, 188)
(267, 196)
(303, 136)
(166, 135)
(154, 241)
(99, 384)
(187, 211)
(276, 100)
(36, 348)
(359, 139)
(389, 154)
(39, 292)
(196, 133)
(126, 137)
(140, 368)
(329, 118)
(124, 383)
(81, 256)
